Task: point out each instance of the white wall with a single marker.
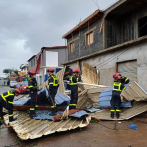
(51, 58)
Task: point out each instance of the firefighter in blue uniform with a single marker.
(53, 88)
(118, 86)
(33, 89)
(124, 80)
(6, 101)
(74, 88)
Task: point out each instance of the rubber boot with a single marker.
(12, 119)
(32, 114)
(117, 114)
(112, 115)
(53, 112)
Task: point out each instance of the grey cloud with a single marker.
(28, 25)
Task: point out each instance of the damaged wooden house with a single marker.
(112, 40)
(105, 42)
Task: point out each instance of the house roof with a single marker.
(31, 58)
(90, 19)
(54, 47)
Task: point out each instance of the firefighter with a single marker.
(53, 87)
(6, 101)
(116, 99)
(33, 89)
(74, 88)
(124, 80)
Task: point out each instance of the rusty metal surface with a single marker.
(27, 128)
(126, 113)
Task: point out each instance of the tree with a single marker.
(7, 72)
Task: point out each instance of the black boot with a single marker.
(12, 119)
(32, 114)
(53, 112)
(117, 114)
(112, 115)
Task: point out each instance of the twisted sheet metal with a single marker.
(126, 113)
(27, 128)
(134, 92)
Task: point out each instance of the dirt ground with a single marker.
(103, 134)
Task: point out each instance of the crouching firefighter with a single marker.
(74, 88)
(6, 101)
(116, 99)
(33, 89)
(53, 88)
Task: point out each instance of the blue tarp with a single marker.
(105, 97)
(44, 114)
(21, 102)
(79, 114)
(60, 99)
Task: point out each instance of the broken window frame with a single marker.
(89, 38)
(71, 47)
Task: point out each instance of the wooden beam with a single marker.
(91, 84)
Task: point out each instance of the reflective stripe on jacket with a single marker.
(71, 81)
(54, 82)
(8, 97)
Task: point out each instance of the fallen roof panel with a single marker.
(126, 113)
(134, 92)
(27, 128)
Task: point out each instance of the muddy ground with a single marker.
(103, 134)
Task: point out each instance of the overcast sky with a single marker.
(28, 25)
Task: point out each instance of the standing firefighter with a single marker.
(6, 101)
(118, 86)
(32, 85)
(74, 88)
(53, 87)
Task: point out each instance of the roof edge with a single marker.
(83, 22)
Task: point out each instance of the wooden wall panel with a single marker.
(89, 75)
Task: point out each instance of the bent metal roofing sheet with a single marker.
(27, 128)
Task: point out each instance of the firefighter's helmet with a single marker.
(50, 70)
(32, 72)
(116, 75)
(17, 90)
(75, 70)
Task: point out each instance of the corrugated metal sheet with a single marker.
(89, 75)
(27, 128)
(134, 92)
(126, 113)
(90, 97)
